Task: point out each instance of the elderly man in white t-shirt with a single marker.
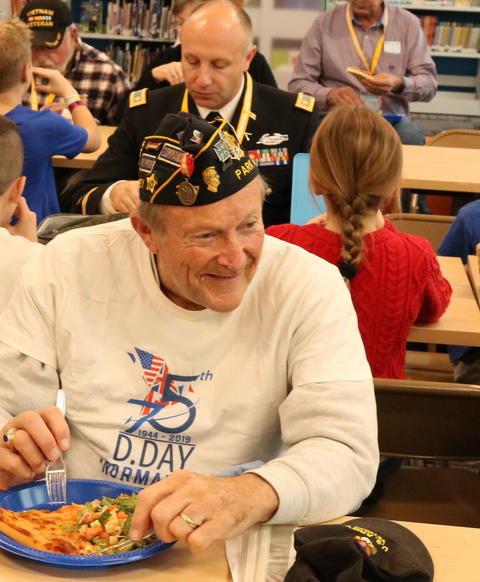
(187, 345)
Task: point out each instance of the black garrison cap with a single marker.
(192, 162)
(360, 550)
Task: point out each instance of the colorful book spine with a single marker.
(145, 19)
(450, 36)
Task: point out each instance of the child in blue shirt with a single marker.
(44, 133)
(461, 240)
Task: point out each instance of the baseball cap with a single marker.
(360, 550)
(47, 19)
(192, 162)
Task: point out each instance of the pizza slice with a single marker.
(74, 529)
(45, 530)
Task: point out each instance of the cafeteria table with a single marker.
(455, 552)
(443, 169)
(460, 324)
(473, 272)
(85, 161)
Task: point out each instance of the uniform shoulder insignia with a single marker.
(137, 98)
(305, 102)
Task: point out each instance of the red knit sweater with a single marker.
(398, 282)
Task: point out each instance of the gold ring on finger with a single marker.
(9, 437)
(188, 520)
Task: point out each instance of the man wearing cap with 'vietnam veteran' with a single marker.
(272, 125)
(188, 345)
(56, 45)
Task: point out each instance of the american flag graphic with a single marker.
(155, 373)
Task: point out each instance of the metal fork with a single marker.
(56, 471)
(124, 544)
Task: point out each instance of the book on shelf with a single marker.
(132, 57)
(458, 37)
(91, 15)
(151, 19)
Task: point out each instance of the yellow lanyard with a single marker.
(246, 113)
(34, 96)
(356, 42)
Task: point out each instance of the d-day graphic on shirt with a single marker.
(155, 439)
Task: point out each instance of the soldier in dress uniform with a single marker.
(272, 125)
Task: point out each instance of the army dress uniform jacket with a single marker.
(272, 125)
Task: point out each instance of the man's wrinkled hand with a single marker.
(222, 507)
(343, 96)
(125, 196)
(39, 438)
(170, 72)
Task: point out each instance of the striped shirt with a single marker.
(328, 50)
(101, 83)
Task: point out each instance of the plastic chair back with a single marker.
(433, 227)
(436, 423)
(303, 206)
(456, 138)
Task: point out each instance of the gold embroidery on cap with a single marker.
(245, 169)
(151, 183)
(54, 43)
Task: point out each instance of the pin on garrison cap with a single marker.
(192, 162)
(48, 20)
(360, 550)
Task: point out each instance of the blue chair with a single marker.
(304, 205)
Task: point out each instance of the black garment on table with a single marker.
(259, 69)
(274, 112)
(360, 550)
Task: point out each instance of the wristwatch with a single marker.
(401, 87)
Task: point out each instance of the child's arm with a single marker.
(55, 82)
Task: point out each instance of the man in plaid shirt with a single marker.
(56, 45)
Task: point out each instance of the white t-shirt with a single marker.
(15, 251)
(152, 388)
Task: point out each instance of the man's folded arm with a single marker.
(83, 194)
(331, 457)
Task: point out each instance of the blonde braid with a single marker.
(355, 161)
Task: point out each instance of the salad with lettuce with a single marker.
(106, 522)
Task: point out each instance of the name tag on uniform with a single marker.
(394, 47)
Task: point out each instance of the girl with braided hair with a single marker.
(394, 278)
